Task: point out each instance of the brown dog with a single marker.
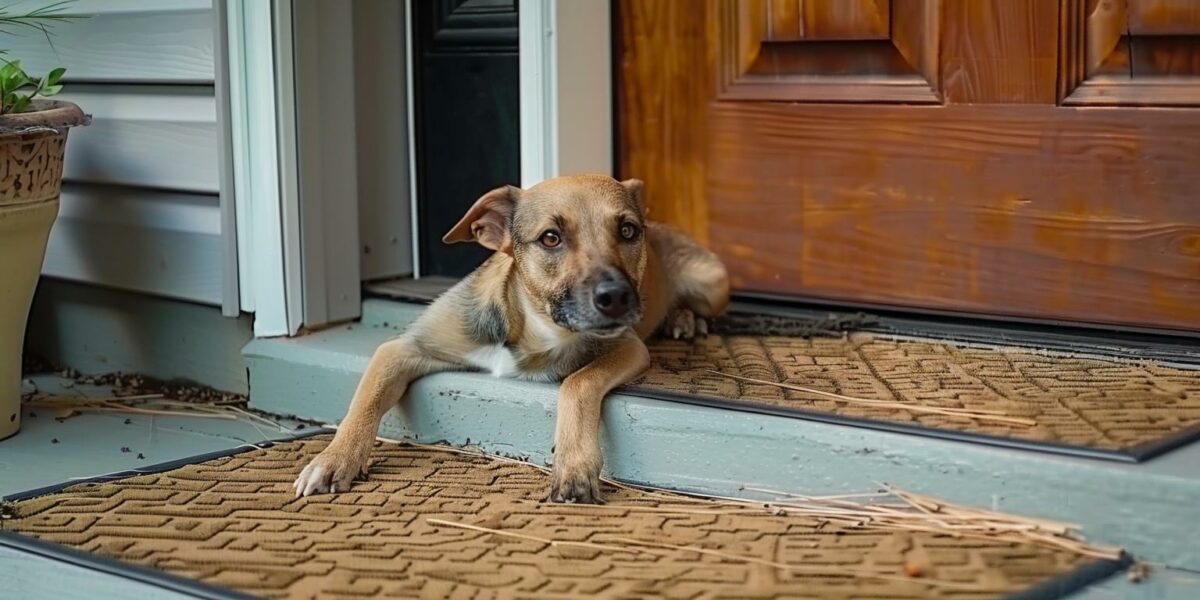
(577, 281)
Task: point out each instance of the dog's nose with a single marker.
(613, 298)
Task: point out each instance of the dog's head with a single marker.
(578, 245)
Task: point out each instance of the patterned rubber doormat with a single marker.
(437, 523)
(1009, 396)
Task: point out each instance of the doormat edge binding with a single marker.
(162, 466)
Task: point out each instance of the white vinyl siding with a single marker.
(141, 200)
(164, 41)
(165, 243)
(147, 136)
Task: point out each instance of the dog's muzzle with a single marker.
(604, 303)
(614, 298)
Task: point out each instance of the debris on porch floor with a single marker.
(77, 426)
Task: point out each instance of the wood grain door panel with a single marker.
(1001, 157)
(799, 207)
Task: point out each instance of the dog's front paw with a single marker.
(576, 481)
(331, 471)
(683, 324)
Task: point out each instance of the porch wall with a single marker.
(140, 206)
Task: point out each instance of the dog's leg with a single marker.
(701, 285)
(393, 366)
(696, 284)
(577, 459)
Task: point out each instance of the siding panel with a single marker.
(162, 243)
(172, 44)
(140, 210)
(146, 137)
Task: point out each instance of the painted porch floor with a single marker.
(1151, 508)
(48, 452)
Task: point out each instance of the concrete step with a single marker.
(1152, 508)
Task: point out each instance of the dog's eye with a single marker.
(550, 239)
(629, 231)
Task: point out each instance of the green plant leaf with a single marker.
(16, 81)
(21, 103)
(9, 68)
(50, 90)
(12, 82)
(53, 77)
(13, 76)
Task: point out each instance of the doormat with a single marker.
(435, 522)
(1006, 396)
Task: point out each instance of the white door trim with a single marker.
(323, 139)
(263, 280)
(411, 116)
(566, 88)
(231, 305)
(295, 163)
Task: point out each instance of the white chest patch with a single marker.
(497, 360)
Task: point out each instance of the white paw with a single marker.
(330, 472)
(683, 324)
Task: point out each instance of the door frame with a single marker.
(265, 213)
(296, 273)
(566, 88)
(299, 256)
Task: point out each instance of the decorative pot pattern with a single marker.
(31, 166)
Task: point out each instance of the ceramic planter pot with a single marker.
(31, 167)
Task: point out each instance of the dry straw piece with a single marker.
(892, 509)
(65, 407)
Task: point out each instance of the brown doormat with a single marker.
(1017, 397)
(434, 522)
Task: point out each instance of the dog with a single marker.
(577, 281)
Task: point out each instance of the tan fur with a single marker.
(500, 318)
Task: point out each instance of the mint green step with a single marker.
(1151, 508)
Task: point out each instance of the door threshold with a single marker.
(410, 289)
(1169, 350)
(1176, 349)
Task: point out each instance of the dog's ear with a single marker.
(634, 188)
(487, 220)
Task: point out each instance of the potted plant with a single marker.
(33, 135)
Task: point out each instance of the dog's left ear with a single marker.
(487, 220)
(634, 187)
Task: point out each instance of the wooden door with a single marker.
(1026, 158)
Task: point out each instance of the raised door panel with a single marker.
(795, 20)
(1130, 52)
(829, 50)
